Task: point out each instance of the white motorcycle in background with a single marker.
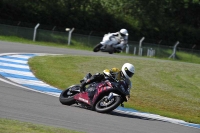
(106, 45)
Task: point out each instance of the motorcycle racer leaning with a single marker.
(126, 72)
(122, 37)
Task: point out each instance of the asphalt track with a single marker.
(27, 105)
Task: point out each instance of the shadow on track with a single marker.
(119, 114)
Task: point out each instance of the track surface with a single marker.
(26, 105)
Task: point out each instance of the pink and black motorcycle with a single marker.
(102, 97)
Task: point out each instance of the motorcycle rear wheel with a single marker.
(97, 47)
(110, 52)
(67, 96)
(104, 107)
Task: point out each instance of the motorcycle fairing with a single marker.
(83, 97)
(104, 87)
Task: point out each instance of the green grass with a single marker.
(167, 88)
(74, 44)
(13, 126)
(188, 57)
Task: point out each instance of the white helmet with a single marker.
(124, 32)
(128, 70)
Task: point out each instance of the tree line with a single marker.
(165, 21)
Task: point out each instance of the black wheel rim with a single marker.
(68, 94)
(103, 103)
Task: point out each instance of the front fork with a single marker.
(111, 95)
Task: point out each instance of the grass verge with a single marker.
(13, 126)
(74, 45)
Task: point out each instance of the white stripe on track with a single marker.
(21, 86)
(14, 60)
(20, 56)
(30, 82)
(14, 65)
(30, 74)
(53, 94)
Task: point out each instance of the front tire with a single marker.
(97, 47)
(67, 96)
(103, 106)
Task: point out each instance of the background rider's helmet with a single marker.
(128, 70)
(123, 32)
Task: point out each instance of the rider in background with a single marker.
(122, 37)
(126, 72)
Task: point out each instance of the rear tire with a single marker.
(99, 107)
(111, 52)
(67, 96)
(97, 47)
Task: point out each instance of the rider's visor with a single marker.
(122, 34)
(129, 73)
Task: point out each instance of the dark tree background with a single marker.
(166, 20)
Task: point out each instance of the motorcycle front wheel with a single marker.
(105, 106)
(97, 47)
(67, 96)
